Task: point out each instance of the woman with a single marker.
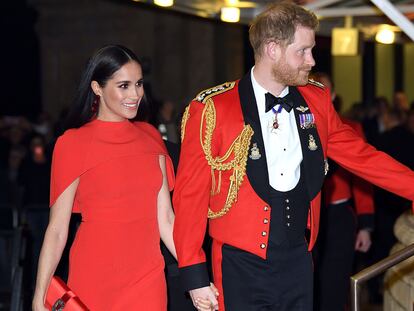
(118, 175)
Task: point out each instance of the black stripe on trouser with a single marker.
(283, 282)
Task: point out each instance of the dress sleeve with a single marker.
(66, 166)
(170, 171)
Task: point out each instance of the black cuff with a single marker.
(194, 276)
(366, 221)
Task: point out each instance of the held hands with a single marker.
(363, 241)
(205, 298)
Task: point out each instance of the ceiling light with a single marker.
(230, 14)
(232, 2)
(385, 35)
(164, 3)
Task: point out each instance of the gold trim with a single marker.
(239, 150)
(186, 116)
(205, 95)
(316, 83)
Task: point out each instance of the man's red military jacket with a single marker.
(246, 224)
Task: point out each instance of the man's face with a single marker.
(296, 60)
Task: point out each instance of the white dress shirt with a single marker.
(282, 145)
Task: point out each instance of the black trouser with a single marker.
(282, 282)
(334, 255)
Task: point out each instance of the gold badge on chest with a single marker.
(312, 143)
(255, 152)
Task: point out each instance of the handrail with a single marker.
(376, 269)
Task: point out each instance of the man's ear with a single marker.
(96, 88)
(272, 50)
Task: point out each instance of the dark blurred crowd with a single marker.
(25, 150)
(388, 126)
(25, 159)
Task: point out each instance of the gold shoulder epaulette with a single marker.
(206, 94)
(316, 83)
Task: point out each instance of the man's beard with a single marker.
(284, 74)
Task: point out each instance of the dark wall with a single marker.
(19, 54)
(182, 54)
(46, 46)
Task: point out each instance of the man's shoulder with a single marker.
(316, 83)
(214, 91)
(313, 88)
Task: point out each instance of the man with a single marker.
(256, 171)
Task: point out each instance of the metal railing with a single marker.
(374, 270)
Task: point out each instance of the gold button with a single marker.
(264, 233)
(266, 208)
(262, 245)
(287, 200)
(265, 221)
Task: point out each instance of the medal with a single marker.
(275, 124)
(312, 144)
(307, 121)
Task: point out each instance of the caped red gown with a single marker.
(115, 261)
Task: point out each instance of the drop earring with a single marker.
(95, 104)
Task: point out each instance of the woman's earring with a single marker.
(95, 104)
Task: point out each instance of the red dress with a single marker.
(115, 261)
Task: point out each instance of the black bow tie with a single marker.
(272, 101)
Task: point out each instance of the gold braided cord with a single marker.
(186, 116)
(239, 149)
(216, 90)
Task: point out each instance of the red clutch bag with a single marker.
(59, 297)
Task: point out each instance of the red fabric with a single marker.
(115, 261)
(344, 185)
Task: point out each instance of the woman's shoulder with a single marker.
(152, 134)
(73, 138)
(148, 129)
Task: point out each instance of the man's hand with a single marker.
(204, 298)
(363, 241)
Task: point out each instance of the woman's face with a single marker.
(120, 97)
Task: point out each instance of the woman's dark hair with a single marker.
(100, 68)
